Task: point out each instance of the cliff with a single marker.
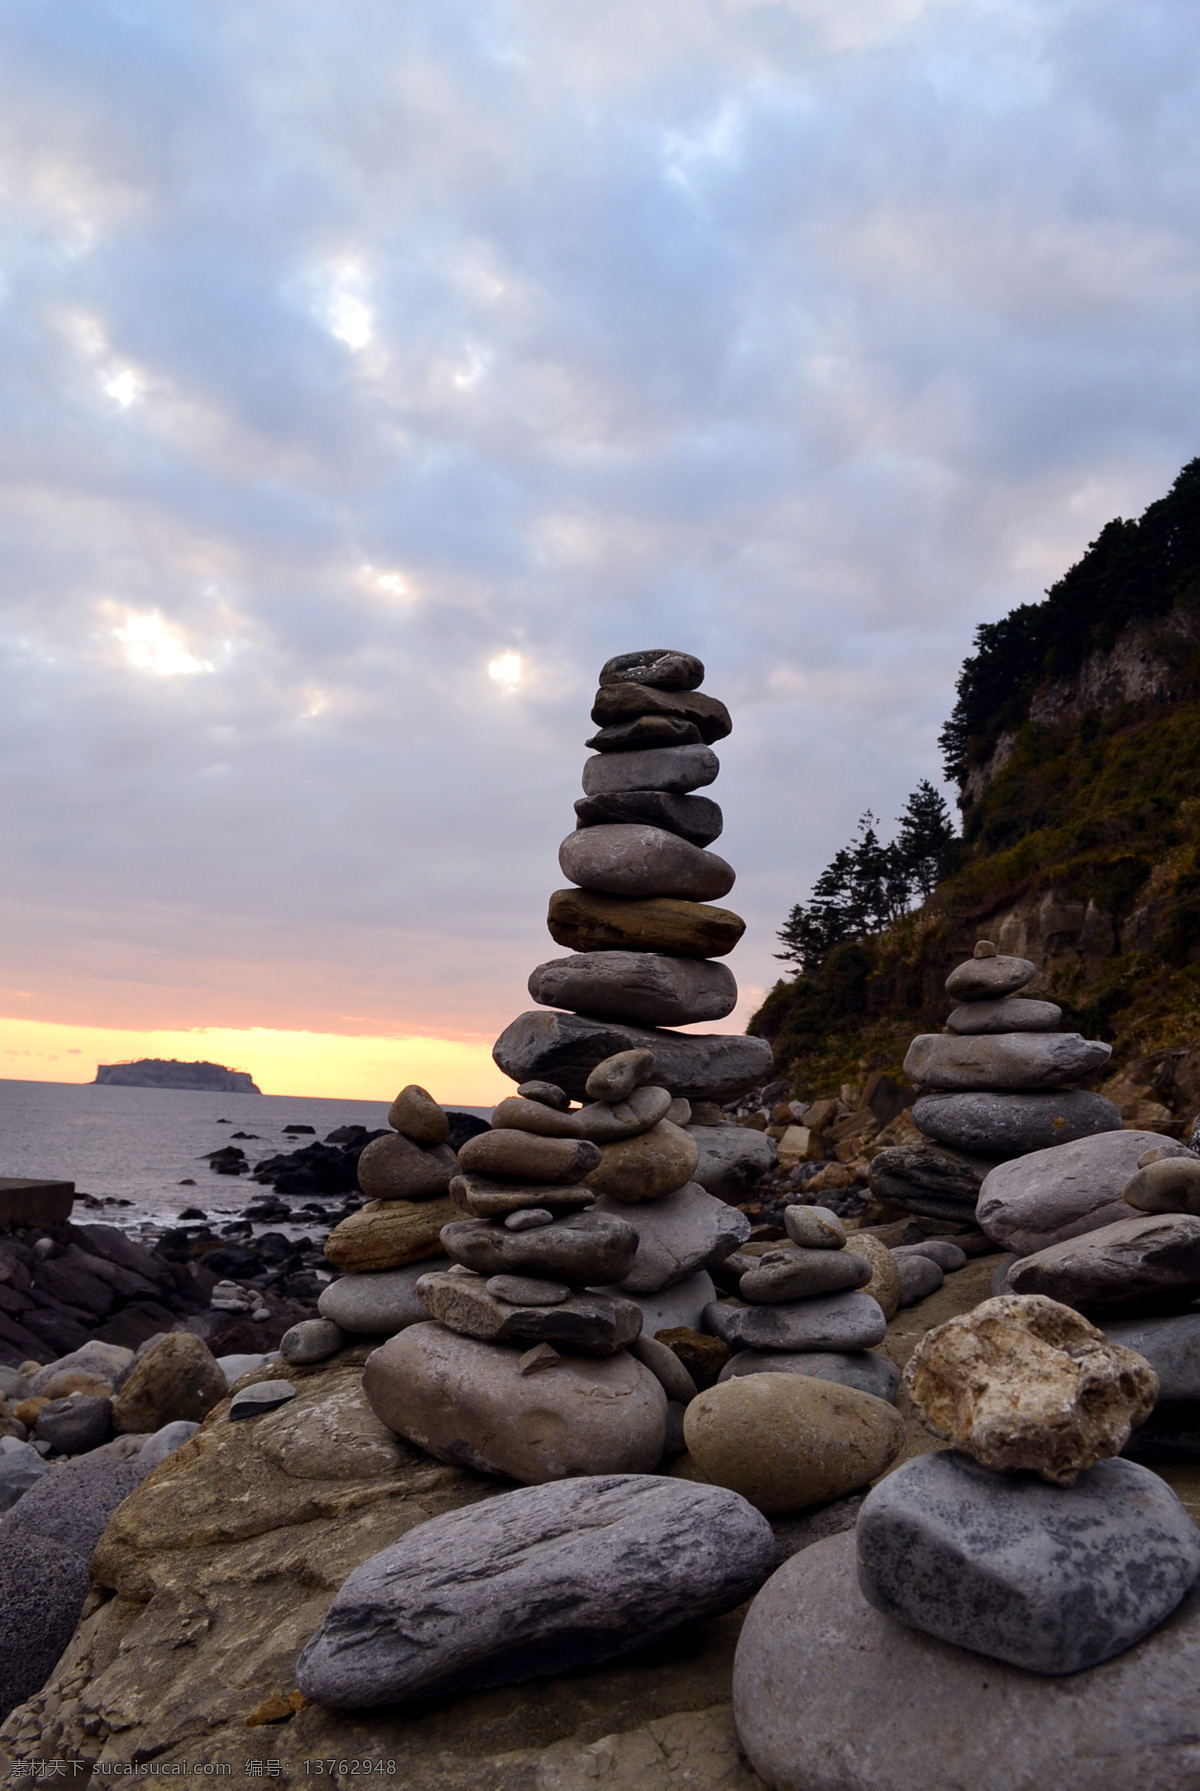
(1076, 745)
(168, 1072)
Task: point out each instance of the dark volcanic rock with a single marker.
(576, 1572)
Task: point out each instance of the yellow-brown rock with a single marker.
(786, 1442)
(1022, 1382)
(177, 1378)
(648, 1166)
(385, 1234)
(884, 1284)
(415, 1113)
(585, 920)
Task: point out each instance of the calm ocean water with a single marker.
(139, 1144)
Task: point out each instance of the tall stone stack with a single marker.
(640, 918)
(996, 1086)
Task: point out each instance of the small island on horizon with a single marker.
(169, 1072)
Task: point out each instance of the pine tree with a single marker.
(927, 842)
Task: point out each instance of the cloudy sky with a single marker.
(371, 371)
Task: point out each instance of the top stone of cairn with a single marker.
(660, 666)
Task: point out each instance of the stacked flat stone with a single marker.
(406, 1178)
(640, 919)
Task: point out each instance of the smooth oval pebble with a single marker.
(630, 860)
(523, 1290)
(1170, 1185)
(606, 1122)
(646, 1167)
(415, 1113)
(798, 1274)
(814, 1227)
(674, 768)
(547, 1093)
(787, 1441)
(516, 1114)
(530, 1218)
(919, 1277)
(646, 987)
(948, 1256)
(664, 668)
(587, 920)
(312, 1340)
(989, 979)
(394, 1168)
(263, 1396)
(521, 1155)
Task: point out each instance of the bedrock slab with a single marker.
(648, 988)
(566, 1048)
(677, 1236)
(1048, 1579)
(1013, 1060)
(585, 920)
(628, 860)
(468, 1403)
(1015, 1013)
(591, 1324)
(697, 819)
(830, 1695)
(863, 1369)
(989, 979)
(582, 1249)
(1009, 1125)
(841, 1321)
(1047, 1196)
(1119, 1268)
(574, 1573)
(676, 769)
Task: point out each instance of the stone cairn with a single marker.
(996, 1087)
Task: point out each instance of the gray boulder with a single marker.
(583, 1249)
(21, 1467)
(575, 1573)
(1050, 1195)
(672, 1307)
(1119, 1267)
(74, 1425)
(677, 1236)
(1009, 1125)
(863, 1369)
(1011, 1060)
(566, 1048)
(164, 1442)
(989, 979)
(646, 988)
(838, 1322)
(1013, 1013)
(943, 1251)
(378, 1302)
(733, 1160)
(1052, 1579)
(694, 818)
(830, 1695)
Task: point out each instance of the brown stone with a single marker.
(486, 1199)
(516, 1114)
(27, 1201)
(786, 1441)
(385, 1234)
(585, 920)
(415, 1113)
(1022, 1382)
(703, 1356)
(626, 702)
(648, 1166)
(1170, 1185)
(884, 1285)
(177, 1378)
(527, 1158)
(394, 1168)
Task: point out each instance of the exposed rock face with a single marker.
(646, 987)
(787, 1441)
(386, 1234)
(1119, 1267)
(468, 1403)
(1019, 1060)
(1008, 1125)
(178, 1377)
(1051, 1581)
(566, 1048)
(1026, 1383)
(1051, 1195)
(575, 1573)
(819, 1674)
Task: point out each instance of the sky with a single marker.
(371, 372)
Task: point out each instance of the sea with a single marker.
(141, 1151)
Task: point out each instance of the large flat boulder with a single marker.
(1050, 1195)
(991, 1124)
(566, 1048)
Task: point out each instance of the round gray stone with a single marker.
(635, 861)
(663, 668)
(1009, 1125)
(989, 979)
(164, 1442)
(378, 1302)
(21, 1467)
(694, 818)
(312, 1340)
(1012, 1014)
(582, 1249)
(919, 1277)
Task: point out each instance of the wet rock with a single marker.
(643, 861)
(528, 1159)
(1171, 1185)
(686, 1231)
(696, 819)
(788, 1441)
(386, 1234)
(484, 1198)
(732, 1160)
(378, 1304)
(1051, 1195)
(1013, 1013)
(1119, 1268)
(863, 1369)
(312, 1340)
(577, 1572)
(583, 1249)
(591, 1324)
(647, 1167)
(178, 1377)
(1015, 1060)
(1049, 1580)
(394, 1168)
(645, 987)
(587, 921)
(793, 1273)
(468, 1403)
(565, 1048)
(678, 769)
(989, 979)
(415, 1113)
(1008, 1125)
(841, 1321)
(1025, 1383)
